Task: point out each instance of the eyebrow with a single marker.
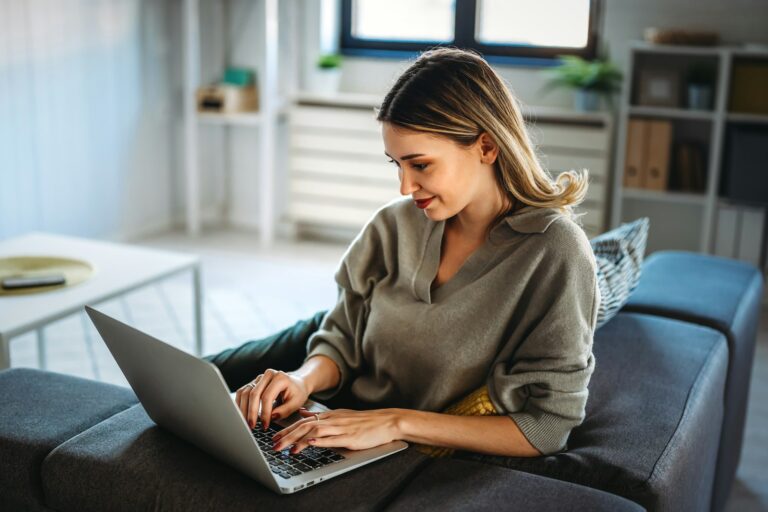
(406, 157)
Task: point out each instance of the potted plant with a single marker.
(701, 80)
(591, 80)
(328, 73)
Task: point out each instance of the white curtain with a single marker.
(87, 110)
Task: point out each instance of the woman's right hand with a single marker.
(264, 390)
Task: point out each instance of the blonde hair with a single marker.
(456, 94)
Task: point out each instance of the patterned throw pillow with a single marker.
(619, 254)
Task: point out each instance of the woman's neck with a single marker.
(474, 221)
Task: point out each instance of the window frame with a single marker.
(464, 37)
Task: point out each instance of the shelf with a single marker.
(239, 119)
(684, 218)
(672, 113)
(747, 118)
(665, 196)
(264, 19)
(244, 119)
(709, 51)
(760, 51)
(340, 99)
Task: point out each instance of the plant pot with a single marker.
(326, 81)
(585, 100)
(699, 96)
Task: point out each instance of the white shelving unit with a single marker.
(271, 106)
(679, 208)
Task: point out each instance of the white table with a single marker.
(118, 269)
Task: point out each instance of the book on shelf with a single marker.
(689, 170)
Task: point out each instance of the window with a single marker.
(512, 31)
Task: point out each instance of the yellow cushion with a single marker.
(478, 403)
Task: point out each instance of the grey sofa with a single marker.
(662, 432)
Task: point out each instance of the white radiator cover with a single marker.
(339, 175)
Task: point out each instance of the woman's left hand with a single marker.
(340, 428)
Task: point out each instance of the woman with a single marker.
(480, 277)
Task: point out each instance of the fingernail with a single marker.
(312, 440)
(275, 415)
(303, 408)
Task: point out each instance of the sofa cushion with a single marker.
(41, 410)
(462, 485)
(652, 418)
(723, 294)
(708, 290)
(129, 463)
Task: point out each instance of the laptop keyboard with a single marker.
(287, 465)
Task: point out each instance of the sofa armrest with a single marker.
(40, 411)
(723, 294)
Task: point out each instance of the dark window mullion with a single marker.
(464, 23)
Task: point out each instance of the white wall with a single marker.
(86, 116)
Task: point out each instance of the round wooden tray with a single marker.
(75, 271)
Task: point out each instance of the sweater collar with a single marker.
(532, 219)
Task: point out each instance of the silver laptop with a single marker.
(188, 396)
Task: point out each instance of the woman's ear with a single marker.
(489, 150)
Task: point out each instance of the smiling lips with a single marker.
(423, 203)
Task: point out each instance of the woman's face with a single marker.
(431, 166)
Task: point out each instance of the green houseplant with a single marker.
(328, 73)
(591, 80)
(329, 61)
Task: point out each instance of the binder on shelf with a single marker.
(744, 176)
(749, 80)
(739, 232)
(634, 165)
(659, 138)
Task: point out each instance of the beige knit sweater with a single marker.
(519, 316)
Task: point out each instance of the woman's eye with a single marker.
(419, 167)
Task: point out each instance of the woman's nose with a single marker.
(407, 184)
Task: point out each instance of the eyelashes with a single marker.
(419, 167)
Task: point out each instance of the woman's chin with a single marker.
(435, 215)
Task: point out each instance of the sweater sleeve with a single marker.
(341, 331)
(542, 382)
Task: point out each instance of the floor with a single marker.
(251, 292)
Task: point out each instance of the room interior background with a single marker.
(91, 102)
